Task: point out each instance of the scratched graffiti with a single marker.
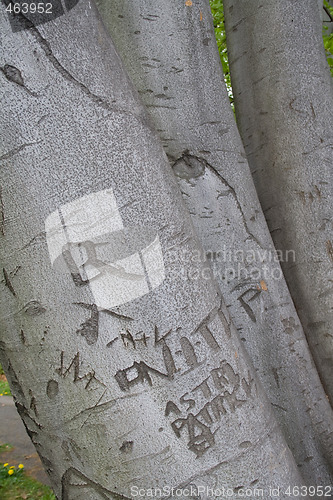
(222, 392)
(141, 373)
(196, 415)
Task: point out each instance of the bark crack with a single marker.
(14, 151)
(100, 101)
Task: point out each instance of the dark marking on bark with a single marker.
(204, 388)
(150, 17)
(8, 282)
(159, 339)
(171, 407)
(109, 344)
(329, 248)
(116, 315)
(13, 74)
(189, 352)
(22, 337)
(217, 407)
(126, 447)
(236, 490)
(127, 339)
(48, 465)
(168, 361)
(52, 389)
(280, 407)
(33, 308)
(74, 363)
(89, 329)
(247, 386)
(14, 381)
(209, 338)
(33, 403)
(204, 330)
(76, 484)
(2, 214)
(276, 376)
(245, 305)
(190, 402)
(70, 448)
(200, 436)
(142, 373)
(73, 269)
(31, 425)
(225, 323)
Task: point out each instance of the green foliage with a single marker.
(15, 485)
(218, 17)
(328, 35)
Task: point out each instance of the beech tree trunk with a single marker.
(170, 54)
(126, 372)
(283, 97)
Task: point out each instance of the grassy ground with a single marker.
(16, 485)
(4, 387)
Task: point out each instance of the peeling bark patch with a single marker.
(34, 308)
(188, 167)
(329, 248)
(13, 74)
(7, 282)
(126, 447)
(52, 389)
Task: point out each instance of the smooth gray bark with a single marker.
(283, 97)
(125, 371)
(170, 53)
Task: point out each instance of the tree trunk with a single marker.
(126, 372)
(171, 55)
(283, 97)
